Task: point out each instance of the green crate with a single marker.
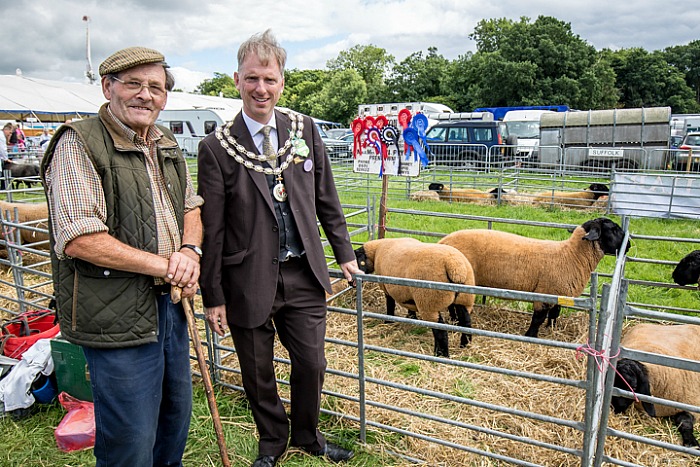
(71, 369)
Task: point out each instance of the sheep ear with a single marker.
(644, 388)
(593, 234)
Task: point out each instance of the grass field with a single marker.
(30, 441)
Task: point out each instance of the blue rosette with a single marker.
(410, 136)
(420, 123)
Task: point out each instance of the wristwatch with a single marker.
(194, 248)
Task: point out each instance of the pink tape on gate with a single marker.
(601, 360)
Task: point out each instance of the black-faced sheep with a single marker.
(508, 261)
(22, 173)
(34, 214)
(463, 195)
(409, 258)
(425, 195)
(681, 386)
(574, 199)
(688, 269)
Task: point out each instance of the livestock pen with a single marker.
(504, 399)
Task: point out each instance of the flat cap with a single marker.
(128, 58)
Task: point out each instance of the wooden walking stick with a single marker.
(176, 296)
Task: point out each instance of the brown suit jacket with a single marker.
(241, 240)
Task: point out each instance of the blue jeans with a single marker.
(143, 396)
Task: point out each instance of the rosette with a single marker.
(357, 129)
(410, 136)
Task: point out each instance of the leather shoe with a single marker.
(334, 453)
(265, 461)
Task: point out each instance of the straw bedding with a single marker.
(512, 392)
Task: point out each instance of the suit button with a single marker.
(275, 229)
(275, 261)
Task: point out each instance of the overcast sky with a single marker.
(46, 38)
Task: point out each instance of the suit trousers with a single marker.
(298, 316)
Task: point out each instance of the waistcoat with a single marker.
(103, 307)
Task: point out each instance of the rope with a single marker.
(601, 361)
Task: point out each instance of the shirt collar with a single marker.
(255, 127)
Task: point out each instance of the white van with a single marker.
(525, 124)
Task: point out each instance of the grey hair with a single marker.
(266, 47)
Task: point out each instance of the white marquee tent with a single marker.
(29, 99)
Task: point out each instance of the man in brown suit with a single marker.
(265, 179)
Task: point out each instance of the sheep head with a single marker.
(598, 190)
(688, 269)
(363, 262)
(636, 376)
(608, 234)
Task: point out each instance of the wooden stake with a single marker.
(176, 296)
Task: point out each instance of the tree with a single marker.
(647, 80)
(418, 79)
(373, 64)
(221, 84)
(543, 62)
(686, 59)
(299, 88)
(340, 97)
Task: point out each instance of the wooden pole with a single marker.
(382, 206)
(176, 296)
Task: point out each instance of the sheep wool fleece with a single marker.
(107, 308)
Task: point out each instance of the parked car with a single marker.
(338, 133)
(336, 149)
(691, 142)
(470, 144)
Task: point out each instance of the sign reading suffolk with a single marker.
(606, 153)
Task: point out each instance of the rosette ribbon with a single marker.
(410, 136)
(358, 127)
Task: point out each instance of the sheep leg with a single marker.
(464, 320)
(552, 314)
(390, 306)
(441, 343)
(685, 421)
(538, 317)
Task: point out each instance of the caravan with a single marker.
(190, 126)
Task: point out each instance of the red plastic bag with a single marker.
(77, 429)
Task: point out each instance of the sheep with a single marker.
(425, 195)
(681, 386)
(511, 197)
(688, 269)
(463, 195)
(601, 203)
(26, 172)
(508, 261)
(412, 259)
(34, 214)
(583, 198)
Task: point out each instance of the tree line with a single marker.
(524, 62)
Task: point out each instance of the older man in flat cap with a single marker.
(125, 227)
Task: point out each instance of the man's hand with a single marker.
(183, 271)
(216, 317)
(349, 269)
